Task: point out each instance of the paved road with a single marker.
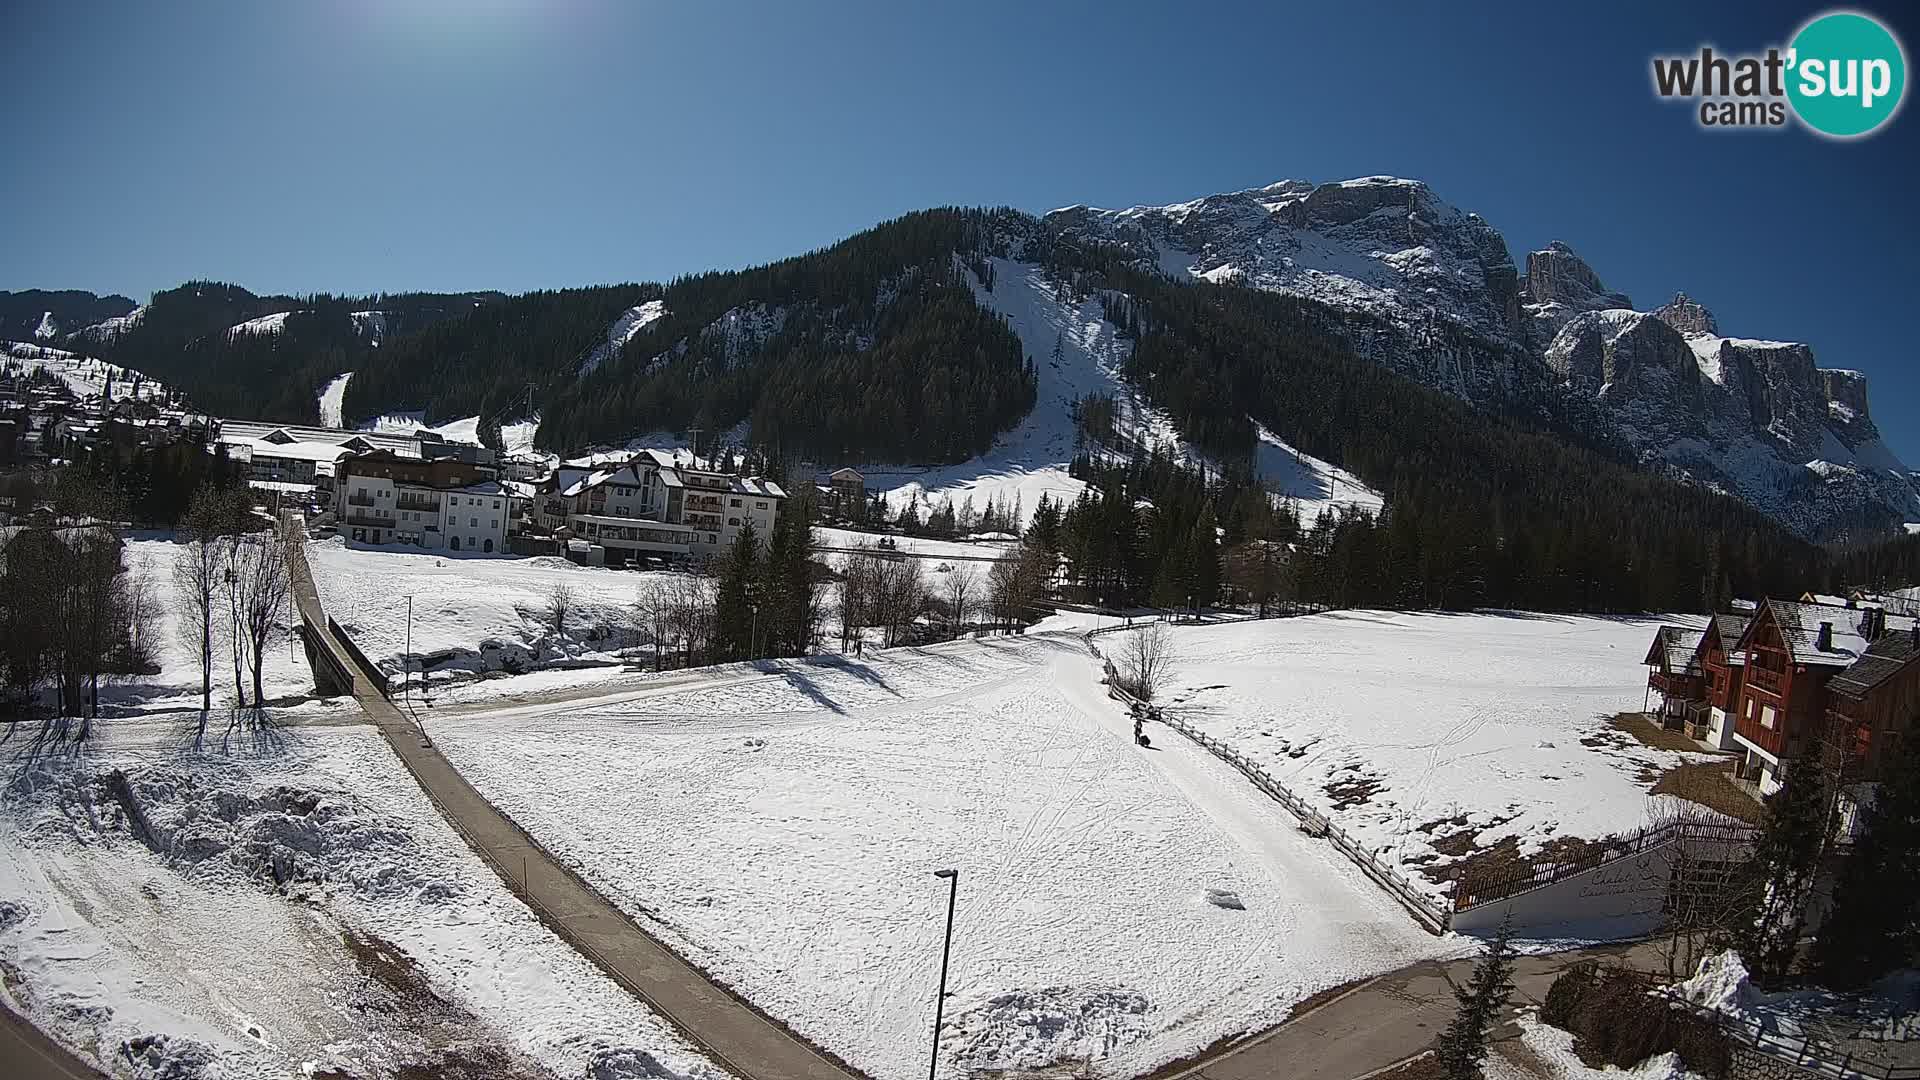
(28, 1054)
(1384, 1021)
(731, 1032)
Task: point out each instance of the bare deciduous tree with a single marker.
(559, 609)
(1015, 585)
(900, 594)
(962, 595)
(1146, 659)
(197, 578)
(260, 585)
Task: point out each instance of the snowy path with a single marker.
(780, 833)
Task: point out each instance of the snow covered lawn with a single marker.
(1411, 729)
(781, 827)
(309, 910)
(473, 613)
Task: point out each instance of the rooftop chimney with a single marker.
(1824, 642)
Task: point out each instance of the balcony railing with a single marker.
(1765, 678)
(359, 500)
(405, 503)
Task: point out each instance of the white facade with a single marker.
(654, 503)
(376, 510)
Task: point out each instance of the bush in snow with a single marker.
(1616, 1021)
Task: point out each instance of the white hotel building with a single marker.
(653, 503)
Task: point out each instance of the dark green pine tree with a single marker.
(1463, 1046)
(1874, 926)
(1785, 860)
(734, 616)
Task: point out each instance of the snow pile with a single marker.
(1553, 1048)
(48, 329)
(630, 323)
(307, 911)
(1720, 984)
(795, 810)
(1032, 1029)
(1422, 733)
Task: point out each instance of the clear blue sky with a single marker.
(368, 145)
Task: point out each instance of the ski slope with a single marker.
(333, 398)
(86, 376)
(780, 826)
(1031, 460)
(1410, 729)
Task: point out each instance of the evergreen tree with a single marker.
(1785, 860)
(1463, 1046)
(736, 597)
(1874, 926)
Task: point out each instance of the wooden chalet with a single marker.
(1874, 704)
(1793, 651)
(1673, 671)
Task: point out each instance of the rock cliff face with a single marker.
(1757, 419)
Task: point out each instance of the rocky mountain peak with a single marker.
(1687, 315)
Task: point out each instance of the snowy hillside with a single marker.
(86, 376)
(265, 324)
(1077, 353)
(630, 323)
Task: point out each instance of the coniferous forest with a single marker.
(875, 349)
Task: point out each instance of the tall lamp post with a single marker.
(406, 669)
(946, 951)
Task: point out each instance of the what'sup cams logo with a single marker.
(1843, 76)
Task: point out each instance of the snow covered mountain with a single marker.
(1437, 296)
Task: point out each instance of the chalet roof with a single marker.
(848, 473)
(1800, 627)
(1884, 659)
(1731, 627)
(1674, 649)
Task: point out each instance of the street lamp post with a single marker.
(946, 951)
(406, 669)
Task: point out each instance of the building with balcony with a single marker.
(652, 504)
(445, 503)
(1807, 663)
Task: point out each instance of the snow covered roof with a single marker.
(1800, 627)
(294, 451)
(1885, 658)
(1731, 627)
(1674, 648)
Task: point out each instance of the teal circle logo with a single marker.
(1846, 74)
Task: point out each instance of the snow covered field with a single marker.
(461, 605)
(308, 910)
(1409, 729)
(780, 827)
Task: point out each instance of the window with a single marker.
(494, 525)
(733, 521)
(496, 504)
(473, 523)
(761, 505)
(1768, 717)
(735, 503)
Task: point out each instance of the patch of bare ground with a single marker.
(1352, 791)
(1711, 785)
(446, 1042)
(1500, 862)
(1648, 733)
